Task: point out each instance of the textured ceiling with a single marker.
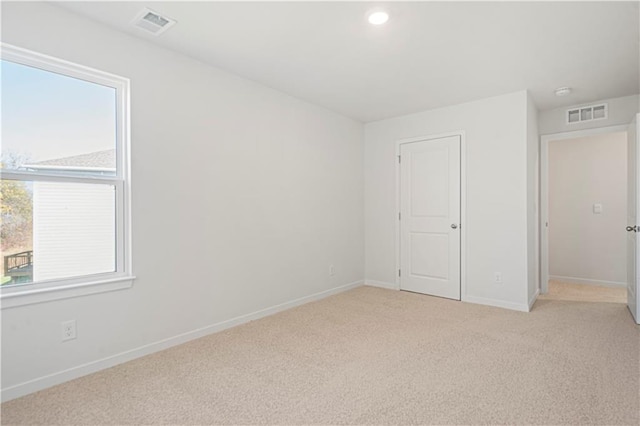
(428, 55)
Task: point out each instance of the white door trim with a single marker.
(544, 190)
(463, 205)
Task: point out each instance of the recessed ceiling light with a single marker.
(563, 91)
(378, 17)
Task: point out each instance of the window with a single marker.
(64, 183)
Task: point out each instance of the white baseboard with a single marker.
(522, 307)
(587, 281)
(381, 284)
(533, 299)
(44, 382)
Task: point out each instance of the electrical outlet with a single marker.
(68, 330)
(498, 277)
(332, 270)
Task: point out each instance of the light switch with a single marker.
(597, 208)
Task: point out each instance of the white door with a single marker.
(430, 217)
(632, 219)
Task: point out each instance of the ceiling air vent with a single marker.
(153, 22)
(587, 113)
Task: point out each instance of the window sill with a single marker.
(29, 296)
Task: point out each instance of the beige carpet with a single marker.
(559, 290)
(374, 356)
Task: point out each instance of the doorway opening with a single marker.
(584, 215)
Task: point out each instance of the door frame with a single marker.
(544, 190)
(463, 203)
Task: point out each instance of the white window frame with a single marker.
(46, 290)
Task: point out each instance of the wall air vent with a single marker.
(153, 22)
(587, 113)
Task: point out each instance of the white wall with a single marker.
(583, 245)
(242, 197)
(533, 201)
(621, 111)
(496, 194)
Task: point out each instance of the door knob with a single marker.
(454, 226)
(632, 229)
